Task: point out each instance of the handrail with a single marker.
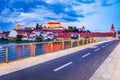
(10, 52)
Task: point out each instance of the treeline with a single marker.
(74, 29)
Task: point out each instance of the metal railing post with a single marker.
(71, 44)
(34, 47)
(6, 55)
(87, 41)
(77, 42)
(63, 45)
(90, 40)
(83, 42)
(94, 40)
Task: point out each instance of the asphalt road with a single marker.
(78, 66)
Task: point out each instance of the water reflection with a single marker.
(22, 51)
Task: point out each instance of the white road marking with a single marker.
(106, 44)
(109, 43)
(93, 47)
(103, 46)
(62, 66)
(97, 49)
(86, 55)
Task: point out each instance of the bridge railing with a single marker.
(14, 52)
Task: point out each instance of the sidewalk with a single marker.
(110, 69)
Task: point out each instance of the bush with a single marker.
(48, 39)
(39, 39)
(0, 40)
(19, 38)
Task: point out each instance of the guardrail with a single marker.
(14, 52)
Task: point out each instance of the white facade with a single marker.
(47, 36)
(13, 33)
(24, 38)
(34, 33)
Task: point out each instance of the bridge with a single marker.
(61, 60)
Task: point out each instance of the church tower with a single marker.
(112, 29)
(18, 27)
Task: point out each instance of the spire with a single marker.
(83, 28)
(112, 29)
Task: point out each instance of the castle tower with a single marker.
(18, 27)
(112, 29)
(83, 28)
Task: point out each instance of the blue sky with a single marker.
(95, 15)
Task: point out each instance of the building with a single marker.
(81, 29)
(112, 29)
(1, 35)
(54, 25)
(13, 35)
(55, 31)
(18, 27)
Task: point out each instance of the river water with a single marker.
(24, 50)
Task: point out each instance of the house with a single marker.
(81, 29)
(13, 35)
(1, 35)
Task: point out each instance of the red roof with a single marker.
(103, 34)
(28, 28)
(21, 32)
(54, 23)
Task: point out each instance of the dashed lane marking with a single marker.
(103, 46)
(65, 65)
(97, 49)
(86, 55)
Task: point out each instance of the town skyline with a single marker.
(95, 15)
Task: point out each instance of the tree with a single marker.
(88, 31)
(39, 39)
(39, 27)
(19, 38)
(75, 29)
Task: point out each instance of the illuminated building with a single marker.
(18, 27)
(53, 25)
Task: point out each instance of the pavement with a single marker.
(79, 63)
(110, 69)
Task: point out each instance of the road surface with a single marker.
(77, 66)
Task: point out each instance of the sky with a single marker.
(95, 15)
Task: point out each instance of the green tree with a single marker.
(19, 38)
(37, 26)
(39, 39)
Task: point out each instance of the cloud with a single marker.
(30, 12)
(108, 2)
